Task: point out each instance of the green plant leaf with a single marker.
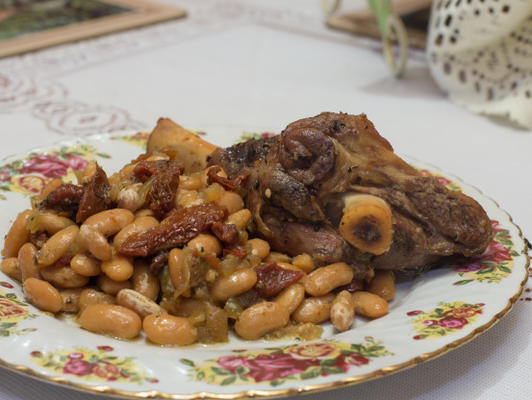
(277, 382)
(331, 361)
(382, 10)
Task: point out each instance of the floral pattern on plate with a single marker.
(139, 139)
(12, 311)
(28, 175)
(261, 371)
(277, 365)
(494, 264)
(446, 319)
(92, 365)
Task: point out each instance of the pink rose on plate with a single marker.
(78, 367)
(231, 363)
(345, 360)
(76, 162)
(495, 252)
(468, 267)
(48, 165)
(452, 322)
(267, 367)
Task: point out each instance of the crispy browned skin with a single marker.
(191, 150)
(316, 161)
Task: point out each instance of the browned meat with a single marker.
(96, 196)
(298, 181)
(228, 184)
(174, 231)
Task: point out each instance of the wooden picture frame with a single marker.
(121, 15)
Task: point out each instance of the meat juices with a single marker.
(298, 182)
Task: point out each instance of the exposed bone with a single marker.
(367, 223)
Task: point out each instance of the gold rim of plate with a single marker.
(307, 389)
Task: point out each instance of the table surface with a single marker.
(264, 64)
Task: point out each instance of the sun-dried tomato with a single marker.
(226, 233)
(145, 169)
(174, 231)
(65, 198)
(96, 196)
(228, 184)
(236, 251)
(165, 173)
(272, 279)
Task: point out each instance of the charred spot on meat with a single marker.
(307, 155)
(332, 187)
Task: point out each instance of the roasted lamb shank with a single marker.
(332, 187)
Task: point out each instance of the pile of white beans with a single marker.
(117, 296)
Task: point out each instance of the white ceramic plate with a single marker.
(431, 315)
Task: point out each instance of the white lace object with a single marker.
(480, 53)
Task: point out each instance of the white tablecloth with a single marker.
(265, 64)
